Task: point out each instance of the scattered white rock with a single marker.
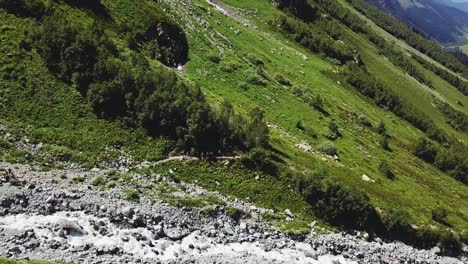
(366, 178)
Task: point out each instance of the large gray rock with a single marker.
(176, 233)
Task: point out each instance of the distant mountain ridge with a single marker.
(459, 5)
(439, 20)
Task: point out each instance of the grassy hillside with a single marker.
(359, 150)
(321, 129)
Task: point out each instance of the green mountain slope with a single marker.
(325, 127)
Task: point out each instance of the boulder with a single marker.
(176, 233)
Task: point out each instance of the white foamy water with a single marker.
(142, 243)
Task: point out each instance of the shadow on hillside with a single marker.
(94, 6)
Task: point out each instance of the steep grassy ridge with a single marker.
(247, 30)
(238, 53)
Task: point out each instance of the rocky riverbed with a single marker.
(55, 218)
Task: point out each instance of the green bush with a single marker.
(215, 58)
(234, 213)
(384, 168)
(260, 159)
(425, 150)
(317, 103)
(300, 125)
(299, 91)
(282, 80)
(26, 8)
(381, 128)
(364, 121)
(78, 179)
(333, 131)
(440, 215)
(244, 86)
(450, 244)
(252, 58)
(328, 148)
(132, 195)
(229, 67)
(340, 206)
(255, 79)
(98, 181)
(384, 142)
(127, 87)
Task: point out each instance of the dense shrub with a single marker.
(456, 119)
(452, 159)
(450, 244)
(282, 80)
(384, 142)
(132, 195)
(244, 86)
(229, 67)
(317, 103)
(127, 87)
(338, 205)
(257, 134)
(215, 58)
(451, 78)
(300, 125)
(333, 131)
(159, 37)
(298, 91)
(26, 8)
(381, 128)
(386, 171)
(315, 39)
(252, 58)
(364, 121)
(260, 159)
(301, 9)
(425, 150)
(440, 215)
(328, 148)
(254, 78)
(68, 49)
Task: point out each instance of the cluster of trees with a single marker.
(401, 31)
(383, 96)
(452, 160)
(356, 24)
(299, 8)
(456, 119)
(326, 26)
(127, 87)
(316, 39)
(450, 156)
(323, 41)
(339, 205)
(351, 209)
(398, 58)
(26, 8)
(396, 226)
(336, 10)
(451, 78)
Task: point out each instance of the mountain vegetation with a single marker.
(305, 98)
